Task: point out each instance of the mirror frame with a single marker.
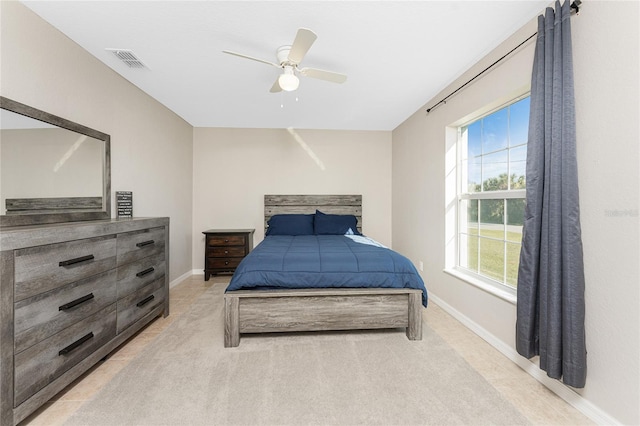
(62, 215)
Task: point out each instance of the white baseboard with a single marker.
(181, 278)
(583, 405)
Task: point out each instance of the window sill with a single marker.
(505, 294)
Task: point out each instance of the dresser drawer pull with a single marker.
(226, 262)
(145, 272)
(145, 301)
(76, 302)
(76, 260)
(75, 344)
(145, 243)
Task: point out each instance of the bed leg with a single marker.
(414, 330)
(231, 326)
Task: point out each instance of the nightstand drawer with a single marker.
(226, 240)
(223, 262)
(43, 268)
(37, 366)
(224, 249)
(45, 314)
(227, 252)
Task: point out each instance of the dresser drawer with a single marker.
(223, 262)
(43, 268)
(136, 275)
(138, 304)
(139, 244)
(45, 314)
(227, 252)
(226, 240)
(44, 362)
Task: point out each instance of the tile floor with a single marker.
(536, 402)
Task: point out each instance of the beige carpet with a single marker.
(187, 377)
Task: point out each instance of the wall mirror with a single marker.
(51, 169)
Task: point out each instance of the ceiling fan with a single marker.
(289, 57)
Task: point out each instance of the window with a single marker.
(491, 193)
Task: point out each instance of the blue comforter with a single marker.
(320, 261)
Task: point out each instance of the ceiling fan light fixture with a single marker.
(289, 57)
(288, 82)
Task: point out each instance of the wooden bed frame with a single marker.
(267, 311)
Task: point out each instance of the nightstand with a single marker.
(224, 249)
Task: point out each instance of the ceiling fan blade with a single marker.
(276, 86)
(250, 57)
(302, 44)
(324, 75)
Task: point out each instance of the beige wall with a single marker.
(606, 46)
(151, 147)
(234, 168)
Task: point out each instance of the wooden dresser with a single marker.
(70, 293)
(224, 249)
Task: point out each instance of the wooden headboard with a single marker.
(306, 204)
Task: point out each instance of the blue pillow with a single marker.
(335, 224)
(290, 224)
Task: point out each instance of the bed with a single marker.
(321, 279)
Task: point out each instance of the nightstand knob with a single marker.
(226, 252)
(226, 241)
(226, 262)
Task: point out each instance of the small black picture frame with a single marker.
(124, 204)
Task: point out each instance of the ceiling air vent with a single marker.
(128, 57)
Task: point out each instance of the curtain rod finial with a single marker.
(576, 6)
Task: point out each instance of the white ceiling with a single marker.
(397, 54)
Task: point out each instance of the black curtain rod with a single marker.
(575, 6)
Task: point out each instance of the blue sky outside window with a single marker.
(496, 146)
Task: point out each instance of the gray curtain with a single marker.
(550, 307)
